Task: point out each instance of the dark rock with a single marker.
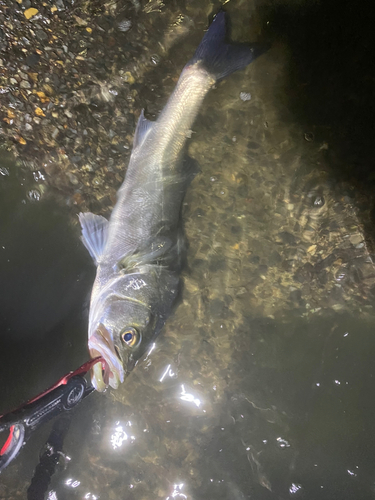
(41, 35)
(32, 59)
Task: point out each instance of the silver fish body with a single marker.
(138, 252)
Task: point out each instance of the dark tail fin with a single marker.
(221, 58)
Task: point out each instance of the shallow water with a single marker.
(260, 385)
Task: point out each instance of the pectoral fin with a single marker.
(94, 233)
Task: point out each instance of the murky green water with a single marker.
(260, 385)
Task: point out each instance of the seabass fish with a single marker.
(138, 251)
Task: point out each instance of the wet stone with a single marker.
(41, 35)
(218, 263)
(25, 84)
(55, 133)
(34, 195)
(289, 265)
(254, 259)
(245, 96)
(309, 136)
(274, 258)
(287, 238)
(296, 296)
(305, 273)
(72, 178)
(200, 263)
(4, 171)
(318, 202)
(70, 133)
(236, 229)
(124, 25)
(322, 277)
(262, 269)
(243, 191)
(217, 308)
(255, 281)
(155, 59)
(32, 59)
(199, 212)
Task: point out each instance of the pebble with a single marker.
(29, 13)
(33, 195)
(41, 35)
(25, 85)
(245, 96)
(356, 239)
(155, 59)
(312, 249)
(309, 136)
(60, 4)
(4, 171)
(124, 25)
(72, 178)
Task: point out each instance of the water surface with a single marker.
(260, 385)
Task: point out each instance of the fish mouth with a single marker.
(111, 371)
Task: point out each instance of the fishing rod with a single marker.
(62, 396)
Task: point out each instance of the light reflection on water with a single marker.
(177, 492)
(190, 398)
(168, 371)
(120, 436)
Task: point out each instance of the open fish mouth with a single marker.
(111, 372)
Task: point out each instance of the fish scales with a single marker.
(158, 162)
(138, 252)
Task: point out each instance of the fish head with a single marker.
(120, 335)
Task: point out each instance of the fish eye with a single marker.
(130, 336)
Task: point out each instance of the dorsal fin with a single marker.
(94, 233)
(142, 129)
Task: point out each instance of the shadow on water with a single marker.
(330, 83)
(45, 280)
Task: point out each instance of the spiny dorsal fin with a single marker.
(94, 233)
(142, 129)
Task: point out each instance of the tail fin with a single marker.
(221, 58)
